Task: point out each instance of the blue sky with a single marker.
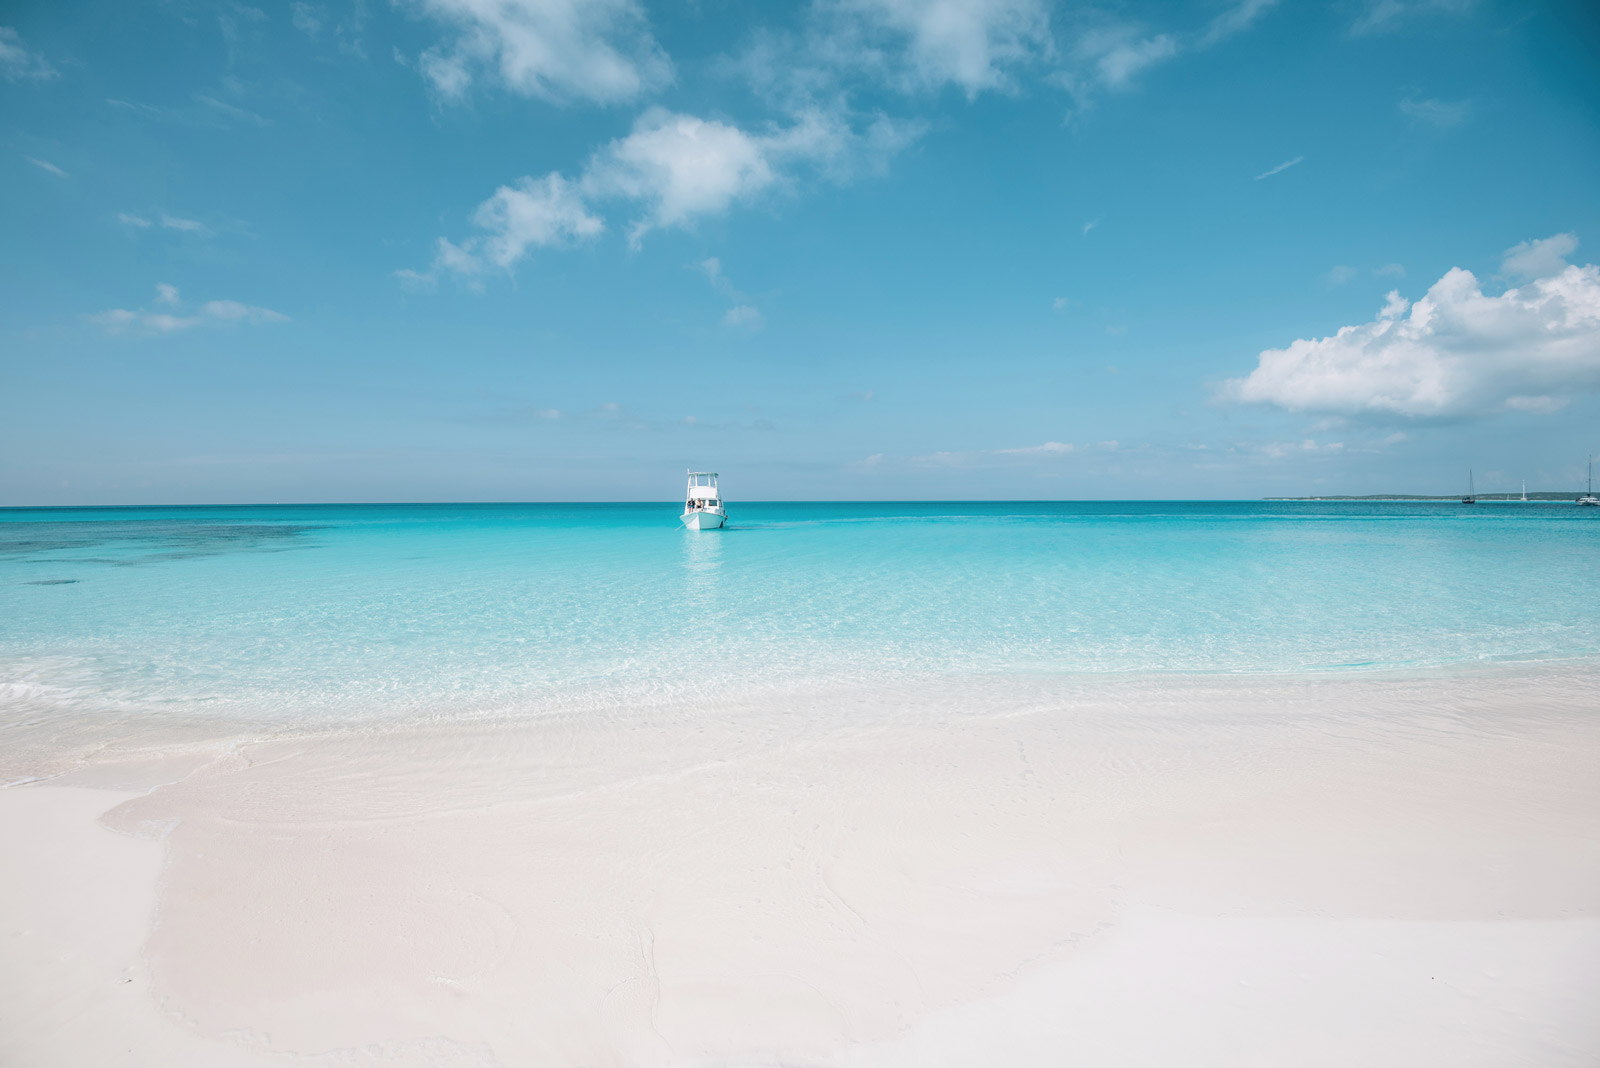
(549, 250)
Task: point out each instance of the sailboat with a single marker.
(1472, 496)
(1589, 498)
(1524, 491)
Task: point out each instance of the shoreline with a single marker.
(1066, 870)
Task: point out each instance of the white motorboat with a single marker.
(703, 508)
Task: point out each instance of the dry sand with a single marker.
(1345, 870)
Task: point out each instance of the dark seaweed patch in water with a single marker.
(51, 582)
(144, 541)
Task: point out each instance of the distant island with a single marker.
(1569, 495)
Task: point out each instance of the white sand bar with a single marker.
(1397, 870)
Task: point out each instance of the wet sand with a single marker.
(1384, 870)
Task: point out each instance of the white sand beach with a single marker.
(1336, 870)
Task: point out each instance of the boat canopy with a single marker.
(702, 485)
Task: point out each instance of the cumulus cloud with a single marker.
(145, 321)
(547, 211)
(559, 50)
(18, 63)
(1456, 352)
(532, 212)
(680, 166)
(670, 170)
(1539, 259)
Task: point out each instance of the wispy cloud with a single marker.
(190, 226)
(671, 170)
(600, 51)
(18, 63)
(308, 18)
(232, 111)
(1441, 114)
(1236, 19)
(165, 222)
(1383, 16)
(1280, 168)
(1049, 448)
(145, 321)
(744, 316)
(46, 165)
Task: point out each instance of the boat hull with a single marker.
(703, 520)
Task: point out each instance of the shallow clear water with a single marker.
(423, 610)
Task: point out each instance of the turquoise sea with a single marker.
(392, 611)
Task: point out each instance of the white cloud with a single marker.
(598, 50)
(1455, 352)
(1049, 448)
(1381, 16)
(232, 111)
(231, 311)
(307, 18)
(1118, 54)
(712, 269)
(1539, 259)
(1440, 113)
(541, 212)
(928, 44)
(674, 168)
(17, 63)
(172, 222)
(138, 222)
(1279, 450)
(744, 316)
(1338, 276)
(1112, 54)
(1060, 303)
(534, 212)
(1390, 270)
(1280, 168)
(680, 167)
(1238, 18)
(141, 320)
(46, 165)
